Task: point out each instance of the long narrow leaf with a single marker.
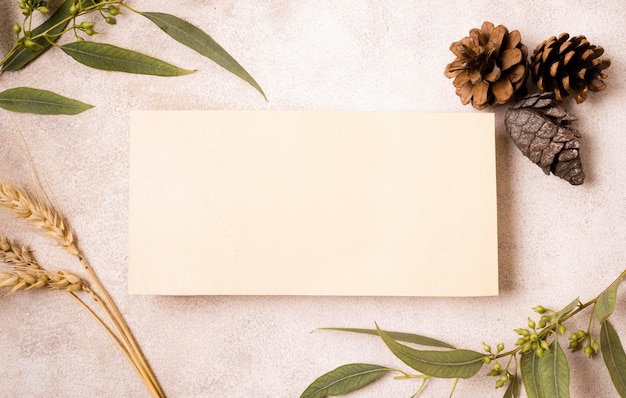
(567, 309)
(613, 356)
(554, 372)
(24, 56)
(449, 364)
(605, 305)
(344, 379)
(399, 336)
(42, 102)
(108, 57)
(196, 39)
(529, 365)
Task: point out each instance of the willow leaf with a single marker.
(512, 391)
(344, 379)
(109, 57)
(449, 364)
(399, 336)
(554, 372)
(530, 375)
(23, 56)
(42, 102)
(567, 309)
(605, 305)
(196, 39)
(613, 356)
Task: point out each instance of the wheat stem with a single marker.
(42, 216)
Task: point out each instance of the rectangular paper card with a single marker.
(312, 203)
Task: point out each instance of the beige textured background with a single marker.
(556, 241)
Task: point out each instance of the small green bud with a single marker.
(31, 45)
(497, 367)
(539, 309)
(500, 347)
(43, 9)
(533, 345)
(90, 32)
(581, 334)
(486, 347)
(526, 347)
(562, 329)
(544, 344)
(574, 345)
(74, 10)
(531, 323)
(588, 351)
(595, 346)
(80, 39)
(542, 323)
(499, 383)
(110, 20)
(520, 341)
(113, 10)
(539, 351)
(86, 25)
(486, 360)
(493, 373)
(525, 332)
(22, 5)
(17, 28)
(534, 337)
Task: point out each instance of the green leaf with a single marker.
(196, 39)
(399, 336)
(567, 309)
(108, 57)
(529, 365)
(554, 372)
(605, 305)
(613, 356)
(42, 102)
(512, 391)
(24, 56)
(444, 364)
(344, 379)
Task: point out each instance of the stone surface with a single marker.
(349, 55)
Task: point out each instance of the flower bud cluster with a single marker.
(29, 6)
(529, 339)
(577, 341)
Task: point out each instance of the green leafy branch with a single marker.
(538, 359)
(30, 43)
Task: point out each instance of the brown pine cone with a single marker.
(541, 131)
(569, 67)
(490, 66)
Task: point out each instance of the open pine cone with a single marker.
(569, 67)
(490, 66)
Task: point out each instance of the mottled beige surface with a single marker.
(556, 241)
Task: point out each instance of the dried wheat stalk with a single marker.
(40, 214)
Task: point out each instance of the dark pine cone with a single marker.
(569, 67)
(541, 131)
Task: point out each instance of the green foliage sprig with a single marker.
(31, 42)
(538, 360)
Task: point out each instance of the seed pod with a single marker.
(541, 131)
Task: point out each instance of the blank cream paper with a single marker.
(312, 203)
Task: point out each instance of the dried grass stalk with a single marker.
(40, 214)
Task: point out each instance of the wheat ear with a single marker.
(43, 217)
